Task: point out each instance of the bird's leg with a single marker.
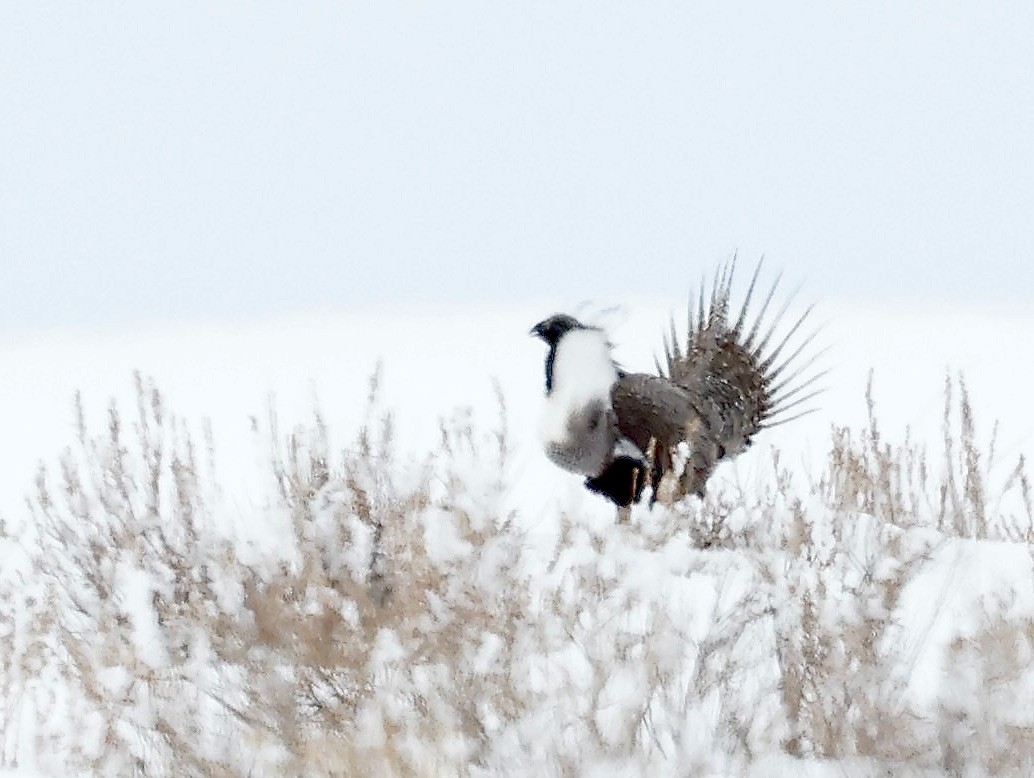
(667, 487)
(655, 473)
(689, 477)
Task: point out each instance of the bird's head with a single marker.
(555, 327)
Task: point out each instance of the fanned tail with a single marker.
(741, 374)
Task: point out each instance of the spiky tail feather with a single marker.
(734, 372)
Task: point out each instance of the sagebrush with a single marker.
(404, 621)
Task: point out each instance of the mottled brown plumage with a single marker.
(727, 380)
(716, 390)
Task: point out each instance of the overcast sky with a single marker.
(196, 161)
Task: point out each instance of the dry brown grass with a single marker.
(407, 626)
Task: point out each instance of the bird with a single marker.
(728, 380)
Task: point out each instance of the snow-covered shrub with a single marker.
(986, 720)
(374, 613)
(876, 519)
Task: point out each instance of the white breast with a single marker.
(583, 375)
(583, 369)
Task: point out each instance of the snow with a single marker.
(599, 610)
(233, 374)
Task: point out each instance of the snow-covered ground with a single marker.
(433, 364)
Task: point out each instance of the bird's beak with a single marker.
(536, 331)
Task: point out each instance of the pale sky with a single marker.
(199, 161)
(204, 161)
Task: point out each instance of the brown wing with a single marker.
(657, 415)
(719, 389)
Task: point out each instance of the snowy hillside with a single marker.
(375, 572)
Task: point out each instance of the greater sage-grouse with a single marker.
(728, 381)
